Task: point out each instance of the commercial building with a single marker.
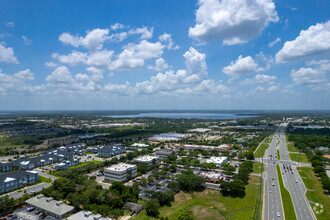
(162, 154)
(109, 151)
(222, 147)
(62, 141)
(218, 161)
(17, 179)
(140, 145)
(121, 172)
(86, 215)
(200, 130)
(5, 167)
(54, 208)
(147, 159)
(211, 176)
(169, 137)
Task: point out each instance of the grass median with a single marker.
(315, 193)
(260, 152)
(278, 155)
(286, 198)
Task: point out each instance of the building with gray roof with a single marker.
(50, 206)
(17, 179)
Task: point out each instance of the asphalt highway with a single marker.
(273, 201)
(293, 182)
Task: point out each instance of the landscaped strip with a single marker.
(315, 193)
(286, 198)
(261, 150)
(278, 155)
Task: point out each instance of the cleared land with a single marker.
(210, 204)
(286, 198)
(257, 167)
(260, 152)
(291, 147)
(315, 193)
(299, 157)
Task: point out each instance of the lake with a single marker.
(187, 115)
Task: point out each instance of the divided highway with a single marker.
(273, 201)
(293, 182)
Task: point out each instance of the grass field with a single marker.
(291, 147)
(299, 157)
(210, 204)
(261, 150)
(278, 155)
(286, 198)
(257, 167)
(315, 192)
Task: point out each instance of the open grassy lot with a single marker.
(299, 157)
(286, 198)
(261, 150)
(291, 147)
(210, 204)
(315, 192)
(257, 167)
(44, 179)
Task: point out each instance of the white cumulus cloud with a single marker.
(233, 21)
(160, 64)
(7, 54)
(313, 41)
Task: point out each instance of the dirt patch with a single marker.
(206, 213)
(182, 197)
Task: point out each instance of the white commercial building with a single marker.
(147, 159)
(218, 161)
(200, 130)
(121, 172)
(140, 145)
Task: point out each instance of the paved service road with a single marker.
(273, 201)
(293, 182)
(28, 190)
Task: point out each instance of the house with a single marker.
(121, 172)
(50, 206)
(17, 179)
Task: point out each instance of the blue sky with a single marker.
(207, 54)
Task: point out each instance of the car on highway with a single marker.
(273, 184)
(278, 214)
(291, 172)
(296, 181)
(270, 190)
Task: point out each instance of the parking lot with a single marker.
(23, 213)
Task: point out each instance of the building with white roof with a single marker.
(50, 206)
(140, 145)
(218, 161)
(121, 172)
(200, 130)
(147, 159)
